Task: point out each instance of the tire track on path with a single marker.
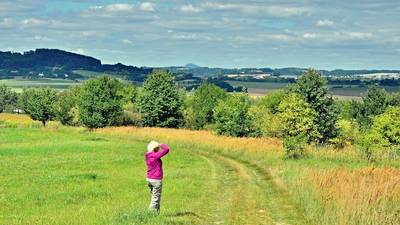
(250, 195)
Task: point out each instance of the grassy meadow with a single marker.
(66, 175)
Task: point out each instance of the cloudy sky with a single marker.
(324, 34)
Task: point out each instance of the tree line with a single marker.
(304, 113)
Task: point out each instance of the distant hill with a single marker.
(62, 64)
(54, 63)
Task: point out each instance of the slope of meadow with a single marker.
(64, 175)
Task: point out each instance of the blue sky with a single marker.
(323, 34)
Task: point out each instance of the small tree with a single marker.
(298, 124)
(99, 102)
(374, 103)
(202, 104)
(39, 104)
(65, 106)
(160, 101)
(298, 118)
(231, 115)
(311, 87)
(8, 98)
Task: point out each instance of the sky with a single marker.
(322, 34)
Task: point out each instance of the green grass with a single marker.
(70, 176)
(64, 175)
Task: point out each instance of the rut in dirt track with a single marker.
(247, 195)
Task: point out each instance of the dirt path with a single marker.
(246, 194)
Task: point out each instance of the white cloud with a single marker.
(119, 8)
(345, 35)
(92, 33)
(190, 9)
(147, 6)
(279, 37)
(7, 22)
(309, 36)
(325, 23)
(32, 22)
(127, 41)
(259, 10)
(41, 38)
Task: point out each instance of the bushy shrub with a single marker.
(257, 117)
(387, 126)
(160, 101)
(294, 146)
(231, 115)
(348, 133)
(272, 100)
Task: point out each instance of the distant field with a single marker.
(90, 74)
(19, 84)
(346, 91)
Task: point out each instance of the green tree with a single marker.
(298, 118)
(128, 92)
(65, 106)
(311, 87)
(99, 102)
(230, 115)
(374, 103)
(39, 104)
(203, 103)
(8, 98)
(297, 124)
(160, 101)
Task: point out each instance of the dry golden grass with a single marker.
(205, 138)
(19, 120)
(363, 196)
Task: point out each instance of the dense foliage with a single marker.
(230, 115)
(311, 87)
(99, 102)
(160, 102)
(374, 103)
(199, 110)
(8, 98)
(39, 104)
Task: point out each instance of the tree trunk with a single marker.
(44, 123)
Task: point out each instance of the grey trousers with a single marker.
(155, 190)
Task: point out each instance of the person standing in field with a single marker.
(154, 178)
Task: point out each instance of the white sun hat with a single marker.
(152, 145)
